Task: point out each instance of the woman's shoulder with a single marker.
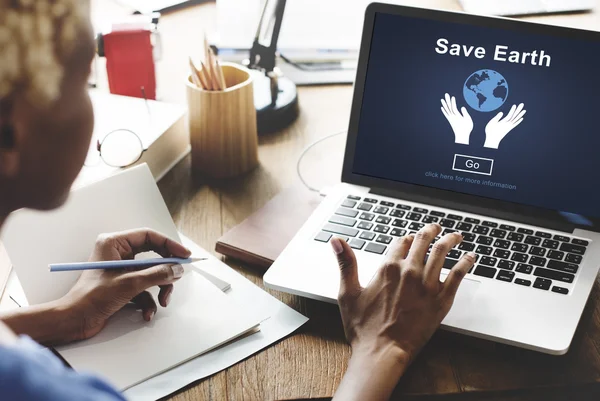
(29, 371)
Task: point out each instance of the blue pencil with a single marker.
(121, 264)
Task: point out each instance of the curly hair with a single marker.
(36, 39)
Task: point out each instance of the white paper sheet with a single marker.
(35, 239)
(283, 321)
(13, 295)
(129, 350)
(27, 230)
(256, 302)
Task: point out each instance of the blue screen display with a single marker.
(496, 113)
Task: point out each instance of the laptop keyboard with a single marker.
(505, 252)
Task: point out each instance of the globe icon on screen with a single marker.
(485, 90)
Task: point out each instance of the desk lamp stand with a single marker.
(275, 96)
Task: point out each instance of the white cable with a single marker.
(305, 151)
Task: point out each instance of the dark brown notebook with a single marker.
(260, 238)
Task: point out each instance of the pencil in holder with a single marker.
(223, 131)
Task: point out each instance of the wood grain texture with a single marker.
(310, 364)
(222, 125)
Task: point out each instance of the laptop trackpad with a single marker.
(462, 309)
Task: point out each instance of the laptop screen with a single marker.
(496, 113)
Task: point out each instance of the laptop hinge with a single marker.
(499, 214)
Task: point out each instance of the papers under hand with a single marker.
(217, 282)
(277, 321)
(128, 350)
(199, 318)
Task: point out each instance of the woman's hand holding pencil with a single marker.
(98, 294)
(210, 76)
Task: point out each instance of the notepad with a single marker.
(35, 239)
(129, 350)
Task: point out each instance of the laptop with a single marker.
(487, 126)
(525, 7)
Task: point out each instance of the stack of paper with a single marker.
(283, 321)
(129, 351)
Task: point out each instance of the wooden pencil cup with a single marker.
(223, 130)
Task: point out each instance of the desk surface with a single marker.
(311, 363)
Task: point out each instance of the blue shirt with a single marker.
(30, 372)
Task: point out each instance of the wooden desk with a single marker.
(310, 364)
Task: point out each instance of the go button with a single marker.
(472, 164)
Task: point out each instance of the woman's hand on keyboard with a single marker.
(388, 322)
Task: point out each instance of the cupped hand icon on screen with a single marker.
(461, 122)
(499, 127)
